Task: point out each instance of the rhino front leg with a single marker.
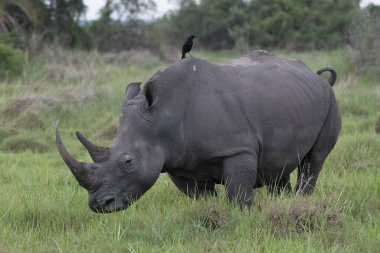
(193, 187)
(239, 174)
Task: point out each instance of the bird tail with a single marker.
(332, 78)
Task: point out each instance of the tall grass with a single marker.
(44, 210)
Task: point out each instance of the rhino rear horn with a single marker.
(83, 172)
(132, 90)
(98, 154)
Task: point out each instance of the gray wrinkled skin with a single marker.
(245, 124)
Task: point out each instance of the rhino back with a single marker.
(272, 106)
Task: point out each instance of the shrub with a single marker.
(364, 44)
(11, 61)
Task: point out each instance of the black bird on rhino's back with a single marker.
(187, 46)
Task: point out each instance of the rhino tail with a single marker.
(333, 75)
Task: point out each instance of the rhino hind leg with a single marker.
(308, 172)
(282, 185)
(239, 174)
(312, 164)
(194, 188)
(307, 177)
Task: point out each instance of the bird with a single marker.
(188, 45)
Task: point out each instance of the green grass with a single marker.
(42, 208)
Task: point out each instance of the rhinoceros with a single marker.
(245, 124)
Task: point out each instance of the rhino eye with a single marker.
(126, 162)
(126, 159)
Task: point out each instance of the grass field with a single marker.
(42, 208)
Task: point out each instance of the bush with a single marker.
(11, 61)
(364, 44)
(290, 24)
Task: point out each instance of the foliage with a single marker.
(364, 42)
(128, 9)
(220, 24)
(124, 32)
(303, 24)
(18, 14)
(11, 61)
(289, 24)
(217, 23)
(56, 20)
(62, 22)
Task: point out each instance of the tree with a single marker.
(219, 23)
(62, 22)
(302, 24)
(363, 49)
(119, 27)
(57, 20)
(18, 13)
(129, 9)
(291, 24)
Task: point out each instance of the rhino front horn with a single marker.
(83, 172)
(98, 154)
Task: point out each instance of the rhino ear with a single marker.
(150, 96)
(132, 90)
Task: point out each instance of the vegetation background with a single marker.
(58, 69)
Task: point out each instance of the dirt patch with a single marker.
(31, 103)
(303, 215)
(29, 121)
(215, 217)
(19, 144)
(212, 217)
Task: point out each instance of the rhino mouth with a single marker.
(110, 205)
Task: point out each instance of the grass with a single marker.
(44, 210)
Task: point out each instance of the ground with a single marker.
(44, 210)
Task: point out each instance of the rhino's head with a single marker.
(123, 172)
